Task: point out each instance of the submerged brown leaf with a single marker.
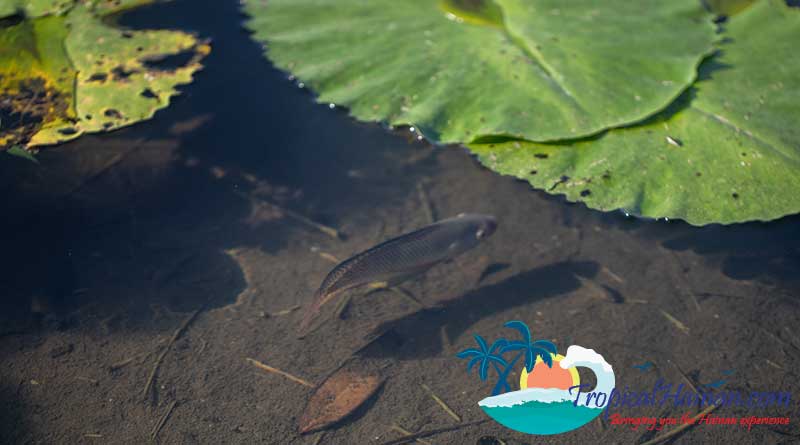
(338, 396)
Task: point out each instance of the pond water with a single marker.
(205, 218)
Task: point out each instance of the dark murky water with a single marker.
(113, 235)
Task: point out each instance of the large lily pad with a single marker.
(69, 74)
(460, 69)
(32, 9)
(727, 151)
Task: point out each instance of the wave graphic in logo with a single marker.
(550, 400)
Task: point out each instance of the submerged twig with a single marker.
(406, 432)
(329, 257)
(286, 311)
(121, 364)
(319, 438)
(162, 421)
(160, 358)
(686, 378)
(378, 286)
(678, 324)
(432, 432)
(674, 432)
(291, 377)
(441, 403)
(330, 231)
(613, 276)
(426, 203)
(774, 365)
(89, 380)
(407, 295)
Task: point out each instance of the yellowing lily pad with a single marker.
(65, 75)
(36, 79)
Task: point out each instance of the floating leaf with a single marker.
(460, 69)
(338, 397)
(62, 76)
(727, 151)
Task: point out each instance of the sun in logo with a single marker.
(543, 376)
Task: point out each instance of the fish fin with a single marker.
(312, 310)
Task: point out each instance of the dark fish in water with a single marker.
(403, 257)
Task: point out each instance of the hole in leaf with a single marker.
(170, 63)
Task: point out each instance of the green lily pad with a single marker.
(32, 9)
(65, 75)
(727, 151)
(458, 70)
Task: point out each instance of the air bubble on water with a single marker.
(291, 78)
(419, 137)
(412, 129)
(301, 85)
(331, 106)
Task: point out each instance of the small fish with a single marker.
(400, 258)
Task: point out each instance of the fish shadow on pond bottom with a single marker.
(412, 337)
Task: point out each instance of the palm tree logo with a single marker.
(545, 402)
(493, 355)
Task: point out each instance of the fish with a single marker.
(403, 257)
